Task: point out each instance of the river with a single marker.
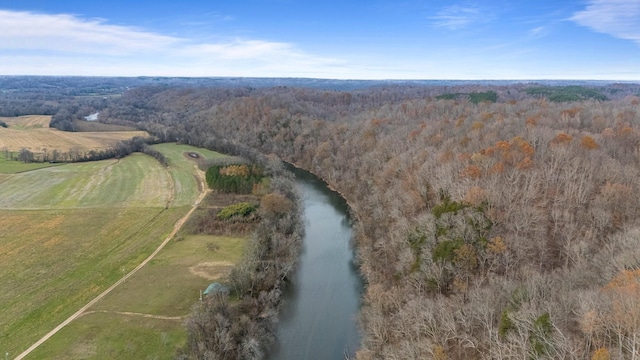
(92, 117)
(318, 318)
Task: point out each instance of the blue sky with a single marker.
(341, 39)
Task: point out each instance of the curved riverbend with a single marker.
(318, 319)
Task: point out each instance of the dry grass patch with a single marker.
(212, 270)
(27, 121)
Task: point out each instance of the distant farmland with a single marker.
(33, 133)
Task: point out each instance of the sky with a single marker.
(334, 39)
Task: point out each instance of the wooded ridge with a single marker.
(486, 230)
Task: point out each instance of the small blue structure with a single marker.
(216, 288)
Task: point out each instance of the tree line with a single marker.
(117, 151)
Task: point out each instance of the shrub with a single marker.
(505, 324)
(445, 250)
(601, 354)
(447, 206)
(242, 209)
(276, 203)
(542, 330)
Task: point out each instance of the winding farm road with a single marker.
(203, 192)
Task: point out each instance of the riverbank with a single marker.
(242, 327)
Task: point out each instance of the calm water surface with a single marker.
(318, 318)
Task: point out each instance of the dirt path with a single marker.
(172, 187)
(176, 228)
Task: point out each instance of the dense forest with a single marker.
(500, 228)
(494, 221)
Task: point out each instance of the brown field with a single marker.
(94, 126)
(33, 133)
(28, 121)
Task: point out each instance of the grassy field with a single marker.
(63, 241)
(54, 261)
(184, 178)
(167, 289)
(137, 180)
(170, 285)
(108, 336)
(8, 166)
(67, 233)
(33, 133)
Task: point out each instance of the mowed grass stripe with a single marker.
(137, 180)
(182, 169)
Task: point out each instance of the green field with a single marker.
(67, 233)
(54, 261)
(166, 288)
(137, 180)
(8, 166)
(110, 336)
(186, 185)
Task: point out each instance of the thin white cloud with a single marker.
(32, 43)
(618, 18)
(238, 49)
(26, 30)
(538, 32)
(457, 17)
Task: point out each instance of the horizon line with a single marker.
(318, 78)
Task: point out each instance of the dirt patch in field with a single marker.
(193, 156)
(83, 350)
(52, 223)
(53, 241)
(212, 270)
